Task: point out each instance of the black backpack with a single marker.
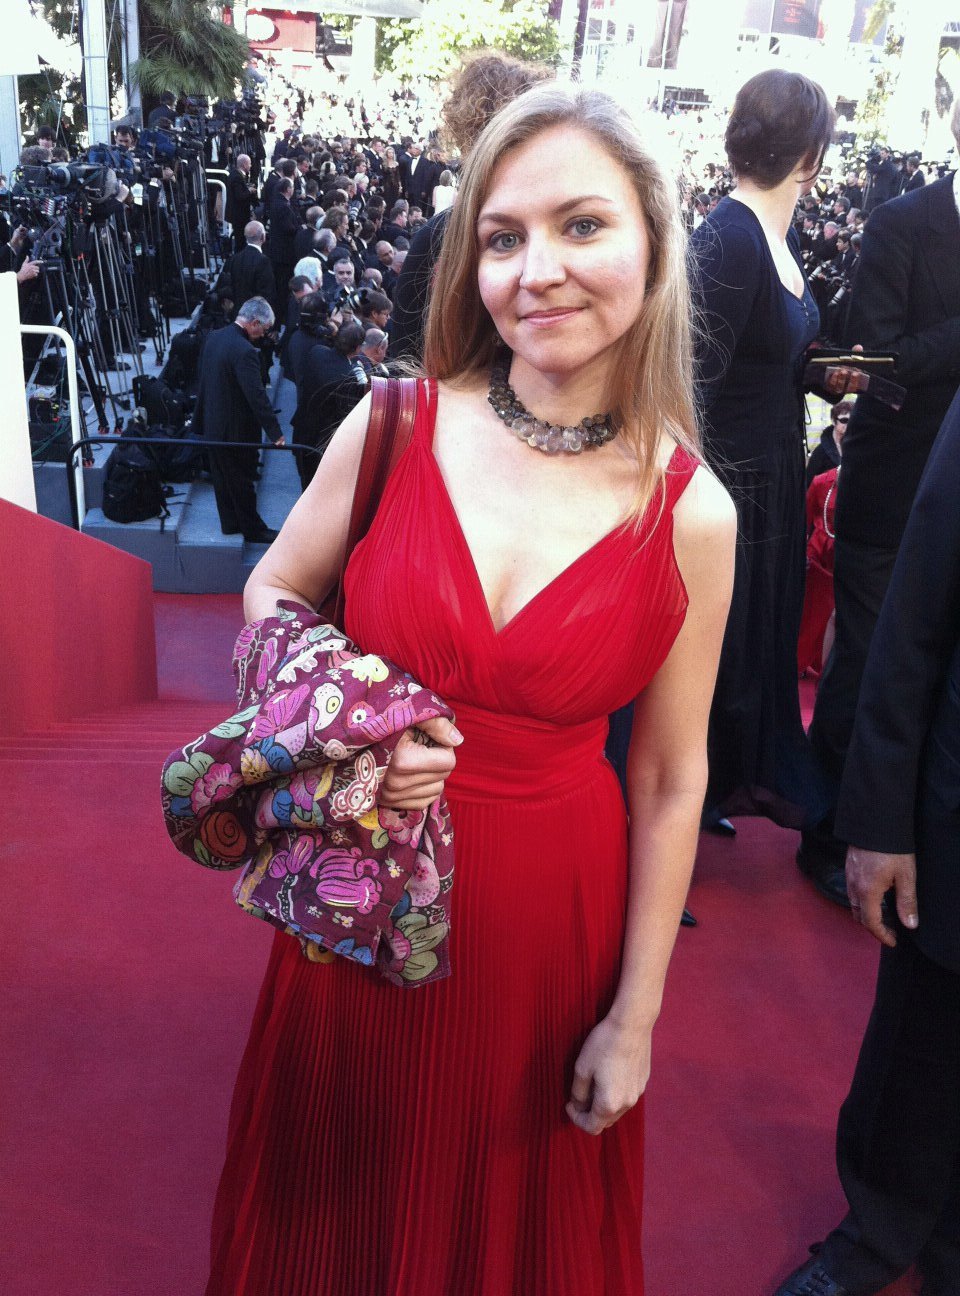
(133, 488)
(177, 462)
(183, 362)
(161, 403)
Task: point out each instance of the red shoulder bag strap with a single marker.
(393, 411)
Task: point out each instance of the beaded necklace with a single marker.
(551, 438)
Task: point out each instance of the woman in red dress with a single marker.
(548, 548)
(818, 591)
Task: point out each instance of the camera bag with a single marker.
(161, 402)
(132, 487)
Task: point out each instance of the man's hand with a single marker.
(839, 380)
(282, 441)
(870, 875)
(29, 270)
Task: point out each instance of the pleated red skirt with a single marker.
(413, 1142)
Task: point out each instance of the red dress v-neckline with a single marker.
(428, 427)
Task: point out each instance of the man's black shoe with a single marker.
(811, 1279)
(829, 880)
(266, 536)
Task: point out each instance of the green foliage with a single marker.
(186, 51)
(877, 18)
(430, 48)
(871, 115)
(43, 93)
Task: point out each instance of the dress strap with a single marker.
(426, 409)
(677, 478)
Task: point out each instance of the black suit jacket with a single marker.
(248, 274)
(884, 181)
(304, 242)
(418, 184)
(901, 783)
(906, 300)
(328, 388)
(240, 199)
(284, 224)
(231, 402)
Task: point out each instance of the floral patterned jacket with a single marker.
(286, 790)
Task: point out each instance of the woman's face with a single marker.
(840, 427)
(563, 251)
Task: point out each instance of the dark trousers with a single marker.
(861, 575)
(898, 1136)
(233, 483)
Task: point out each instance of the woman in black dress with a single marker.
(759, 318)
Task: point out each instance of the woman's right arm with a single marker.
(304, 561)
(301, 566)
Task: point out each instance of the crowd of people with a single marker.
(369, 242)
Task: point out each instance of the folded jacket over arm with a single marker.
(286, 789)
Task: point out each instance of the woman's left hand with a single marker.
(610, 1076)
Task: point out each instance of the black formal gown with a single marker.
(750, 367)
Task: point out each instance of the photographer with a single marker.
(373, 353)
(344, 280)
(884, 179)
(332, 383)
(14, 259)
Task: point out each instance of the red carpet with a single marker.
(129, 979)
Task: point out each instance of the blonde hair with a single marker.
(652, 392)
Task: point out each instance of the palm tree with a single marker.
(184, 50)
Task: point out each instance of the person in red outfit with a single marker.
(548, 547)
(818, 592)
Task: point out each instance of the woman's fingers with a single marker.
(442, 731)
(411, 801)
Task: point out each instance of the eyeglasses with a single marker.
(843, 418)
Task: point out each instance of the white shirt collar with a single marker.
(956, 188)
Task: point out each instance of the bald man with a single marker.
(241, 198)
(248, 273)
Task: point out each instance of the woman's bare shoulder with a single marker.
(704, 538)
(704, 513)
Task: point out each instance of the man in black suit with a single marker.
(284, 170)
(396, 226)
(852, 190)
(248, 273)
(905, 301)
(305, 239)
(233, 406)
(284, 225)
(825, 247)
(418, 176)
(884, 179)
(913, 177)
(240, 198)
(165, 111)
(332, 381)
(898, 1137)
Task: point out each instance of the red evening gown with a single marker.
(413, 1142)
